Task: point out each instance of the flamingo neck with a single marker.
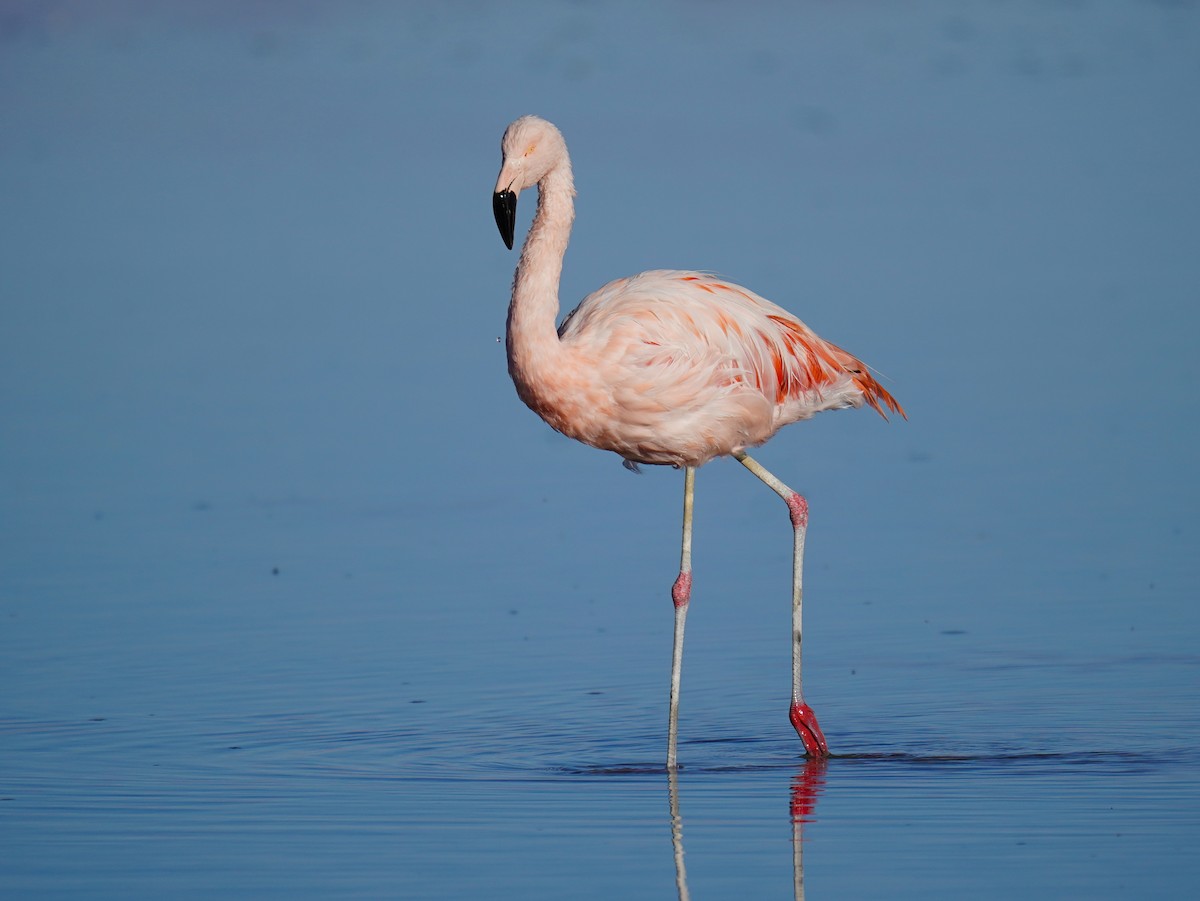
(533, 342)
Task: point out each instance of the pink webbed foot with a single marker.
(805, 723)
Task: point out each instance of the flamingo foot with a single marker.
(805, 723)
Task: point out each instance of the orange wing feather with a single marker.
(821, 363)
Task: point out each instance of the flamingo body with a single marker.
(677, 367)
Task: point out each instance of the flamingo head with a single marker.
(531, 149)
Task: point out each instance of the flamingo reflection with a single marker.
(806, 787)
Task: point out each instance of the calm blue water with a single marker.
(297, 600)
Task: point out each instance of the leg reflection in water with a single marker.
(677, 835)
(806, 786)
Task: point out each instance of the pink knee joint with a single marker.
(798, 508)
(681, 591)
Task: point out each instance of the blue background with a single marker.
(296, 598)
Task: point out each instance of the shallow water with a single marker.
(297, 600)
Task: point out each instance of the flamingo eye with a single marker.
(529, 150)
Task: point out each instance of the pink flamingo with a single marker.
(666, 367)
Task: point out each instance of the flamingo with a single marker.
(667, 367)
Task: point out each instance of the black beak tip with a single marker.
(504, 207)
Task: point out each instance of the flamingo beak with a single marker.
(504, 206)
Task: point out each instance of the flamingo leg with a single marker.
(802, 716)
(681, 593)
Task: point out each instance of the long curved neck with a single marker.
(532, 337)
